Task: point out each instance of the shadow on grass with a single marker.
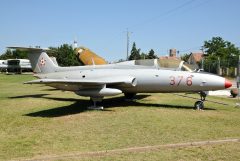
(30, 96)
(75, 108)
(81, 106)
(50, 89)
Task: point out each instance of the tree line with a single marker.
(136, 54)
(215, 49)
(66, 56)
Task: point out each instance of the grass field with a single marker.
(37, 121)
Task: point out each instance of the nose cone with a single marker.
(227, 83)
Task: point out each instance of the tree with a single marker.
(7, 55)
(135, 53)
(53, 52)
(220, 53)
(143, 56)
(66, 57)
(151, 55)
(20, 54)
(225, 50)
(185, 57)
(15, 54)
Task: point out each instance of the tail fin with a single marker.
(40, 61)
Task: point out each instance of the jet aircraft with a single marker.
(100, 81)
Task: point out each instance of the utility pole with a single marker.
(128, 34)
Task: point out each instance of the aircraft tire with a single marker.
(199, 105)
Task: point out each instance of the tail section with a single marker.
(40, 61)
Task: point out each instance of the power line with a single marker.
(190, 49)
(165, 13)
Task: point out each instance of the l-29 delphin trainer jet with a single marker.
(108, 80)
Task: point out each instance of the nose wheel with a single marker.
(199, 105)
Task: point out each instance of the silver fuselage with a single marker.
(147, 80)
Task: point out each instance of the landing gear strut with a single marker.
(97, 103)
(199, 105)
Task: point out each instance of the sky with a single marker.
(101, 25)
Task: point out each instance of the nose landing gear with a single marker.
(199, 105)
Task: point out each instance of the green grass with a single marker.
(36, 120)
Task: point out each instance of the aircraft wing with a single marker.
(123, 80)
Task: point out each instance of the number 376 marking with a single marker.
(175, 81)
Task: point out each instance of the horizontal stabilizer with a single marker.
(40, 61)
(28, 48)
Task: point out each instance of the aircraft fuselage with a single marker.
(146, 80)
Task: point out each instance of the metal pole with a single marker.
(128, 34)
(127, 43)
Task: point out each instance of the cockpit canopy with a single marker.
(173, 64)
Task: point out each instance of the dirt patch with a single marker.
(131, 149)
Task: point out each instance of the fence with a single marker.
(221, 67)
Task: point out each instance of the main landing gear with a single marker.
(97, 103)
(199, 105)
